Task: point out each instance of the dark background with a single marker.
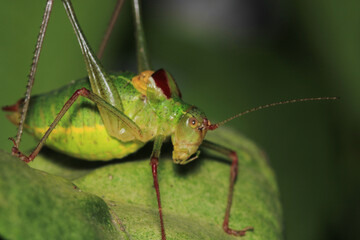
(228, 56)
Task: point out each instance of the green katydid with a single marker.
(132, 109)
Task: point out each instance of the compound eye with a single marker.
(193, 122)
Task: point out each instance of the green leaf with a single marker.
(116, 199)
(37, 205)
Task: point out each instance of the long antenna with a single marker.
(216, 125)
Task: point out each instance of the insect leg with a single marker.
(154, 161)
(110, 27)
(34, 64)
(101, 83)
(93, 97)
(141, 51)
(233, 174)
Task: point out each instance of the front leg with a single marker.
(233, 174)
(154, 161)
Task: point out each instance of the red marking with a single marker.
(161, 82)
(13, 108)
(213, 126)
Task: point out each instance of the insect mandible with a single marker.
(133, 109)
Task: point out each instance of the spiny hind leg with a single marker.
(34, 64)
(80, 92)
(233, 174)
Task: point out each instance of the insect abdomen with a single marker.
(80, 133)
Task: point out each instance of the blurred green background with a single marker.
(228, 56)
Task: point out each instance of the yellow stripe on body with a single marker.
(90, 143)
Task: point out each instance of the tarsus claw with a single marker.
(237, 232)
(15, 152)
